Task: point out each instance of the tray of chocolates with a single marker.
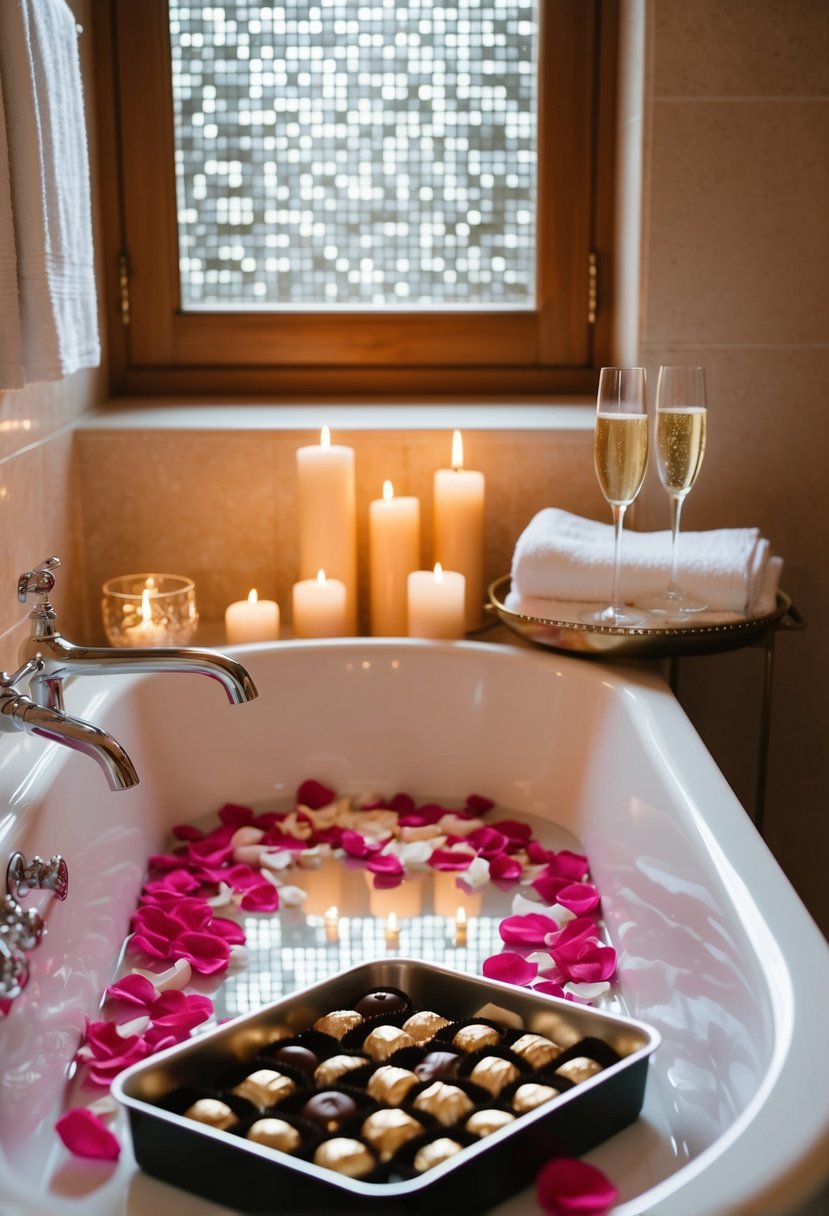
(395, 1086)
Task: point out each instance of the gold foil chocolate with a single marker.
(386, 1130)
(529, 1096)
(212, 1112)
(264, 1088)
(383, 1041)
(424, 1026)
(433, 1153)
(274, 1133)
(346, 1156)
(536, 1050)
(447, 1103)
(338, 1023)
(475, 1036)
(391, 1085)
(494, 1073)
(334, 1067)
(485, 1122)
(579, 1069)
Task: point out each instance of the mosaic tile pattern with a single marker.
(371, 155)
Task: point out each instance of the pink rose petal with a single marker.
(236, 816)
(315, 795)
(84, 1134)
(505, 868)
(579, 897)
(529, 930)
(451, 859)
(567, 1187)
(510, 968)
(205, 952)
(136, 989)
(356, 845)
(478, 805)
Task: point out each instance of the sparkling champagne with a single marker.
(621, 455)
(680, 446)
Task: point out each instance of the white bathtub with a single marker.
(715, 949)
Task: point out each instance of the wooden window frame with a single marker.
(156, 348)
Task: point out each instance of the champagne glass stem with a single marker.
(676, 512)
(618, 510)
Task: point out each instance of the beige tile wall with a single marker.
(736, 263)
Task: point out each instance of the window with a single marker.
(390, 197)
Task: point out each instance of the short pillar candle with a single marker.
(436, 603)
(320, 607)
(252, 620)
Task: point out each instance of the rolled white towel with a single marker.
(562, 557)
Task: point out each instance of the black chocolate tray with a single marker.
(229, 1169)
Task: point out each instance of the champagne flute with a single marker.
(620, 454)
(681, 423)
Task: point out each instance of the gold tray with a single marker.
(647, 641)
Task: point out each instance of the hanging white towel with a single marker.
(46, 167)
(561, 558)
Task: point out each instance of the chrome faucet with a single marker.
(58, 659)
(19, 712)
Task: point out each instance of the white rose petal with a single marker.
(137, 1026)
(281, 859)
(220, 900)
(173, 979)
(292, 897)
(477, 875)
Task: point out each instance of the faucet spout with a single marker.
(18, 712)
(59, 659)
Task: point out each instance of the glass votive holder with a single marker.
(149, 610)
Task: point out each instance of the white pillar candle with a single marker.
(320, 607)
(394, 552)
(436, 603)
(459, 527)
(328, 516)
(252, 620)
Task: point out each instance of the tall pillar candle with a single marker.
(328, 516)
(394, 551)
(459, 528)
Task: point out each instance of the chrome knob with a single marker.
(23, 877)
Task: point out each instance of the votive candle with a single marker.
(459, 527)
(320, 607)
(252, 620)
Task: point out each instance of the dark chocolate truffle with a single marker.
(346, 1156)
(373, 1004)
(437, 1065)
(329, 1109)
(296, 1056)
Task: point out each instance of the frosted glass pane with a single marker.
(348, 155)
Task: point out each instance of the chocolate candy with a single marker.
(475, 1036)
(529, 1096)
(494, 1073)
(485, 1122)
(424, 1026)
(379, 1002)
(346, 1156)
(296, 1056)
(274, 1133)
(579, 1069)
(536, 1050)
(334, 1067)
(212, 1112)
(329, 1109)
(390, 1085)
(436, 1065)
(383, 1041)
(433, 1153)
(264, 1088)
(447, 1103)
(339, 1022)
(386, 1130)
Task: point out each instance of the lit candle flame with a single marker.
(320, 576)
(388, 490)
(325, 437)
(460, 927)
(253, 595)
(149, 583)
(392, 931)
(331, 920)
(146, 610)
(457, 451)
(438, 572)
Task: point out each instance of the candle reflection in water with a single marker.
(392, 932)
